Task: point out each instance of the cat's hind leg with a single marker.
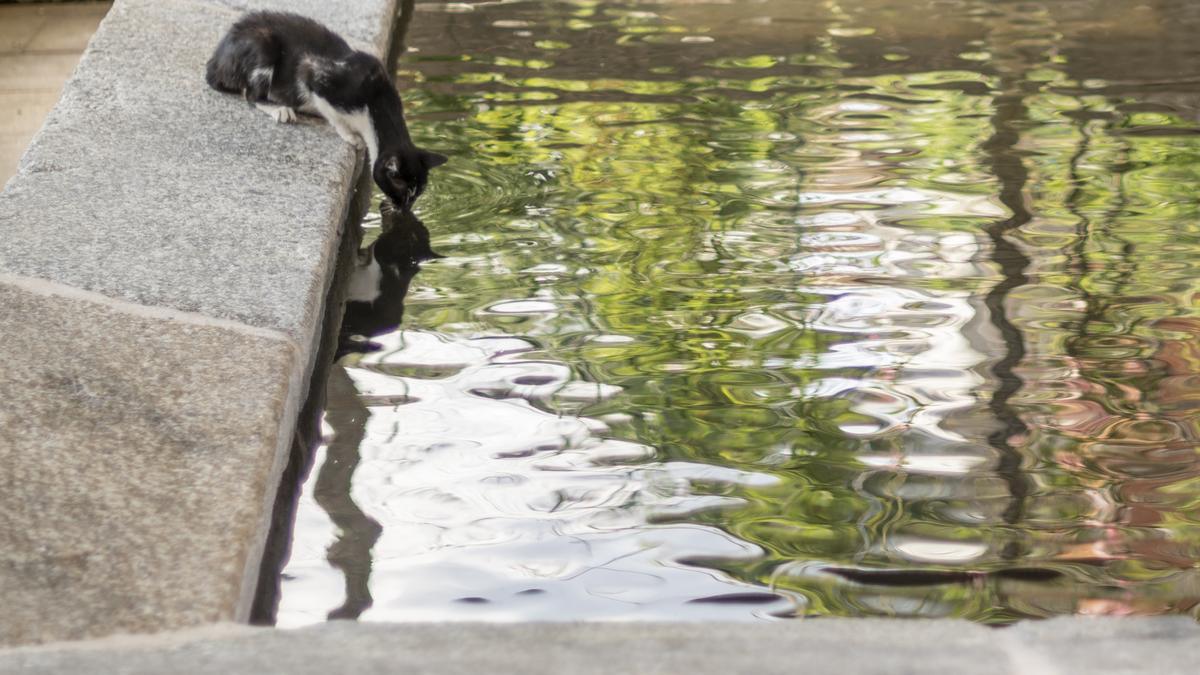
(244, 62)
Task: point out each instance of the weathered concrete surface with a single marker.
(862, 647)
(165, 253)
(39, 48)
(134, 466)
(144, 184)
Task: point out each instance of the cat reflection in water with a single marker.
(379, 282)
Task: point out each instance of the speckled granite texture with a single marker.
(165, 253)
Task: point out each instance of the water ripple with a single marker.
(798, 309)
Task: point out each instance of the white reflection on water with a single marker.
(504, 510)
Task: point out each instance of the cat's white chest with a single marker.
(350, 125)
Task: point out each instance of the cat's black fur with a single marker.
(292, 61)
(398, 251)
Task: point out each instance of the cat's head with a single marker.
(403, 173)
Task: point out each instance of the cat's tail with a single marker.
(243, 63)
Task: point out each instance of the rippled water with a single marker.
(782, 308)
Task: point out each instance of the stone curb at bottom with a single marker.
(1102, 646)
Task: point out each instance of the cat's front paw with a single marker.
(285, 115)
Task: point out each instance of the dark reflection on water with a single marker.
(778, 308)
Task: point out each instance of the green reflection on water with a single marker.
(937, 282)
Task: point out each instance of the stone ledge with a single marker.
(138, 450)
(146, 185)
(1115, 646)
(165, 254)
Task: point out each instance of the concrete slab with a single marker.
(24, 111)
(40, 45)
(29, 71)
(859, 646)
(165, 253)
(11, 147)
(68, 26)
(1119, 646)
(18, 25)
(202, 203)
(138, 448)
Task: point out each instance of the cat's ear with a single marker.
(392, 165)
(432, 160)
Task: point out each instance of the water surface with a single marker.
(780, 308)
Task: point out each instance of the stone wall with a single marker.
(165, 254)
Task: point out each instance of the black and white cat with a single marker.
(284, 63)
